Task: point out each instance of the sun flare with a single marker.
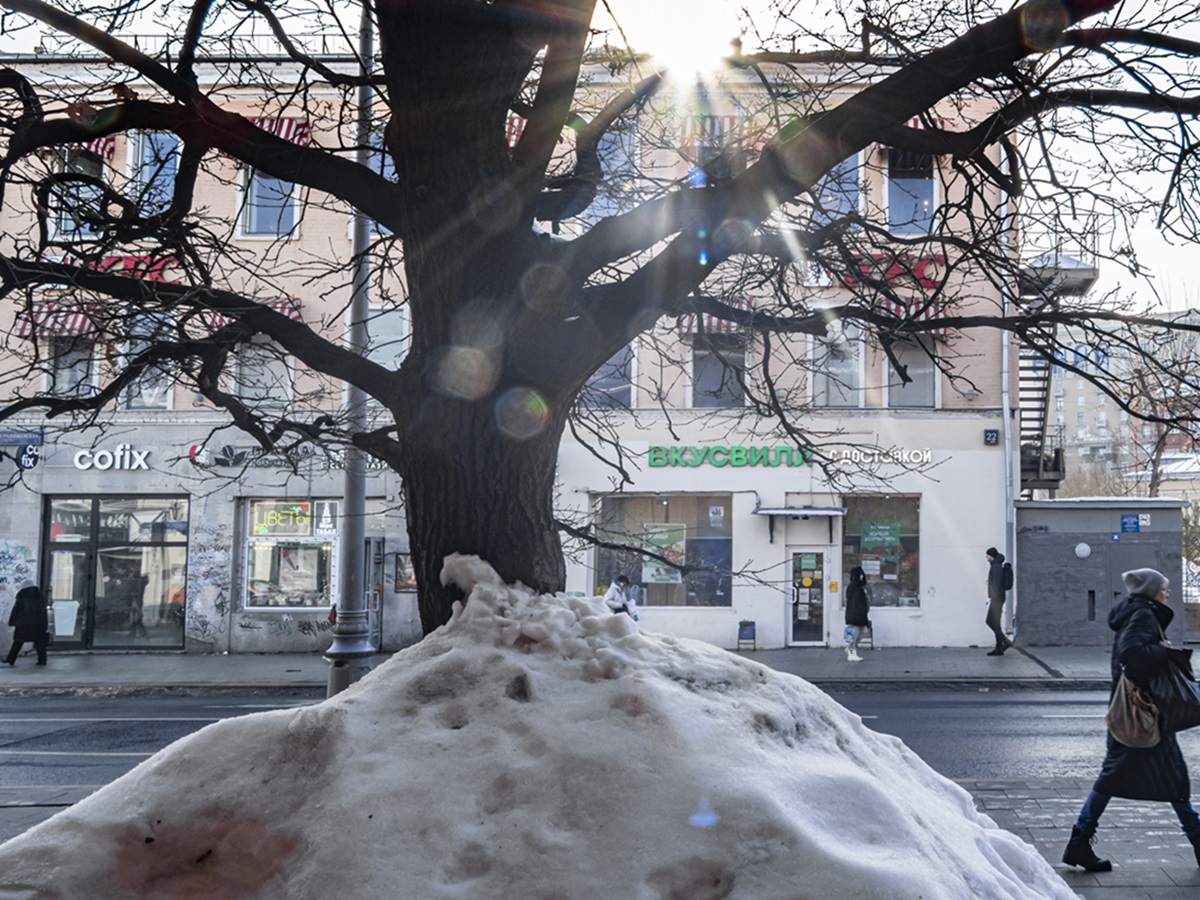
(688, 38)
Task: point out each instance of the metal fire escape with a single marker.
(1043, 282)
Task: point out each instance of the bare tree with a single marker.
(510, 320)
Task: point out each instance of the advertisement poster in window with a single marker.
(882, 541)
(665, 540)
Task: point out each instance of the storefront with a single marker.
(168, 544)
(776, 543)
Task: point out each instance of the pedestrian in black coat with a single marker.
(996, 593)
(858, 606)
(29, 622)
(1153, 773)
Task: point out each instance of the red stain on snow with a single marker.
(215, 858)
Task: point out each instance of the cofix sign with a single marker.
(124, 457)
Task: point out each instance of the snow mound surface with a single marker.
(535, 747)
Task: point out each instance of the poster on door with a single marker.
(665, 540)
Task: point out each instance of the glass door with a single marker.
(68, 593)
(373, 570)
(117, 571)
(808, 596)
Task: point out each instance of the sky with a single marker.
(535, 747)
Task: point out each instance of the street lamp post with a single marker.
(349, 654)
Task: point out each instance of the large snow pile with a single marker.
(535, 747)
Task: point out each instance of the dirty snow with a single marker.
(535, 747)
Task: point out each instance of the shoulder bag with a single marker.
(1176, 693)
(1133, 716)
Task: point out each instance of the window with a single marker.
(152, 389)
(611, 386)
(1058, 403)
(69, 364)
(387, 336)
(75, 204)
(910, 192)
(263, 375)
(381, 163)
(836, 195)
(883, 535)
(155, 164)
(837, 379)
(288, 561)
(916, 354)
(617, 152)
(269, 205)
(718, 370)
(691, 529)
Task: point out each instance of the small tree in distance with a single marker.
(527, 265)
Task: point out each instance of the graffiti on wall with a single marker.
(17, 566)
(210, 564)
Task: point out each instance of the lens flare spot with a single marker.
(704, 816)
(545, 288)
(521, 413)
(1042, 24)
(466, 373)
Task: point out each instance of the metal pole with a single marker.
(349, 654)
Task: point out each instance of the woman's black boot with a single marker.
(1195, 839)
(1079, 853)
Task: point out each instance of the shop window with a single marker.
(695, 530)
(75, 201)
(154, 167)
(916, 354)
(611, 386)
(269, 206)
(263, 373)
(836, 196)
(910, 192)
(883, 535)
(718, 370)
(837, 375)
(289, 553)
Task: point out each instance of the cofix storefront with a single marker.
(172, 544)
(769, 537)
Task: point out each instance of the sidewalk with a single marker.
(1067, 667)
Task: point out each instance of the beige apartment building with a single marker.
(163, 527)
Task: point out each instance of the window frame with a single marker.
(915, 224)
(600, 386)
(140, 338)
(274, 353)
(68, 162)
(248, 206)
(820, 376)
(739, 398)
(52, 357)
(138, 166)
(821, 216)
(907, 577)
(927, 354)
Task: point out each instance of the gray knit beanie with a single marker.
(1146, 582)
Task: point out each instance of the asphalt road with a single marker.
(1000, 734)
(56, 750)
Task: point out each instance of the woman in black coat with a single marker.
(29, 622)
(1152, 773)
(857, 609)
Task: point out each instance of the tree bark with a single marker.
(471, 488)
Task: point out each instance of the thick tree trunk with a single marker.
(471, 488)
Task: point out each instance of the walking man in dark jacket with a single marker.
(29, 622)
(996, 591)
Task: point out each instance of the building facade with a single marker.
(169, 529)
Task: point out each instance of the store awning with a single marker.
(55, 320)
(829, 513)
(693, 323)
(920, 123)
(293, 130)
(285, 306)
(916, 310)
